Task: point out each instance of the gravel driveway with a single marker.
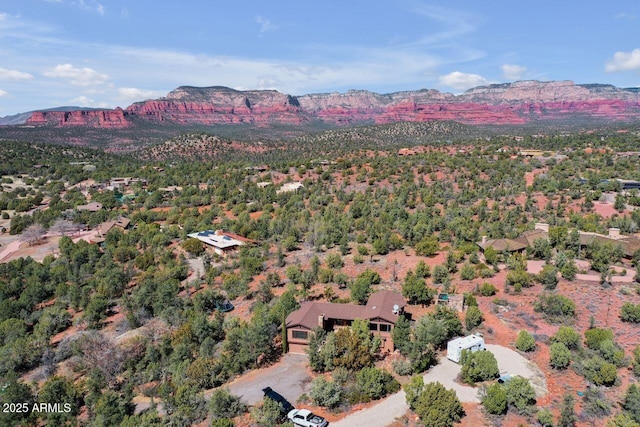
(386, 411)
(289, 377)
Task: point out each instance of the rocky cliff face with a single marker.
(108, 119)
(510, 103)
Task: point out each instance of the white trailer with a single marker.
(471, 343)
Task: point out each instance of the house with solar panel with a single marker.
(222, 242)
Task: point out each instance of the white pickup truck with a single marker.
(306, 418)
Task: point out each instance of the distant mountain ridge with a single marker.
(498, 104)
(21, 118)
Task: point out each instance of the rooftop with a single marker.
(380, 305)
(502, 244)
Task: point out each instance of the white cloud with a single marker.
(172, 68)
(462, 81)
(135, 94)
(265, 24)
(84, 101)
(624, 61)
(455, 22)
(625, 15)
(76, 76)
(88, 5)
(3, 93)
(14, 75)
(513, 72)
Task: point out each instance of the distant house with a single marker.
(382, 311)
(106, 226)
(221, 241)
(628, 244)
(116, 183)
(541, 231)
(627, 184)
(289, 186)
(90, 207)
(520, 243)
(501, 245)
(531, 153)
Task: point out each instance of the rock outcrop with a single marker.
(108, 119)
(509, 103)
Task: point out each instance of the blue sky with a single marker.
(107, 53)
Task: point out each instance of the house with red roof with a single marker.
(382, 310)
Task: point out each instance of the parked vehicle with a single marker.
(285, 406)
(504, 377)
(306, 418)
(225, 306)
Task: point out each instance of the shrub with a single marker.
(636, 360)
(595, 404)
(494, 399)
(437, 406)
(555, 306)
(545, 418)
(416, 290)
(612, 353)
(567, 336)
(267, 414)
(598, 371)
(622, 420)
(560, 356)
(413, 389)
(334, 260)
(222, 422)
(593, 337)
(567, 412)
(478, 366)
(472, 318)
(520, 393)
(467, 272)
(223, 404)
(440, 274)
(569, 270)
(428, 246)
(376, 383)
(548, 277)
(402, 367)
(630, 313)
(631, 402)
(422, 270)
(325, 393)
(519, 277)
(470, 300)
(487, 289)
(525, 342)
(193, 246)
(325, 275)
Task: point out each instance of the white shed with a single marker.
(471, 342)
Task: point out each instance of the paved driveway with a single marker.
(289, 377)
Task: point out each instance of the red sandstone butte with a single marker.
(108, 119)
(501, 104)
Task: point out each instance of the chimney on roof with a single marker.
(614, 233)
(484, 240)
(321, 321)
(542, 226)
